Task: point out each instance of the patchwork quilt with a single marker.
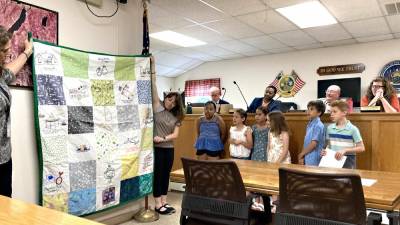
(94, 128)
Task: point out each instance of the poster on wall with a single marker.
(19, 18)
(94, 128)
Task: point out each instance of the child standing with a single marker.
(240, 139)
(260, 135)
(211, 132)
(315, 135)
(342, 136)
(278, 138)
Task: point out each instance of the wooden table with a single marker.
(262, 177)
(16, 212)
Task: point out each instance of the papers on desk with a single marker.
(367, 182)
(329, 160)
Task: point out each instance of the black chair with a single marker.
(214, 193)
(321, 198)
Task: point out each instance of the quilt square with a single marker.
(146, 184)
(109, 173)
(128, 117)
(82, 175)
(144, 91)
(105, 115)
(142, 69)
(129, 189)
(82, 201)
(50, 90)
(53, 120)
(106, 144)
(130, 166)
(75, 63)
(107, 197)
(57, 202)
(55, 178)
(101, 67)
(125, 68)
(48, 60)
(81, 147)
(80, 119)
(146, 159)
(77, 92)
(126, 93)
(129, 141)
(147, 139)
(146, 116)
(103, 92)
(53, 149)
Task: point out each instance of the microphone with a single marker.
(224, 89)
(241, 93)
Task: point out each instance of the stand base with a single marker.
(146, 216)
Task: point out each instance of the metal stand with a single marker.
(146, 215)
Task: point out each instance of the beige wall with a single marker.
(121, 34)
(255, 73)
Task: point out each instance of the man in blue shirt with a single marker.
(314, 140)
(267, 101)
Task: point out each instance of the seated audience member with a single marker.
(215, 93)
(381, 93)
(332, 94)
(267, 101)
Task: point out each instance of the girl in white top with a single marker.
(278, 140)
(240, 140)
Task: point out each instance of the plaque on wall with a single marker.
(341, 69)
(391, 71)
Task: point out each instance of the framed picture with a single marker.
(20, 18)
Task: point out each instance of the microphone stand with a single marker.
(241, 94)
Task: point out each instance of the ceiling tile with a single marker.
(157, 45)
(155, 28)
(191, 53)
(376, 38)
(281, 50)
(238, 7)
(233, 56)
(171, 60)
(234, 28)
(397, 35)
(255, 53)
(268, 21)
(312, 46)
(338, 43)
(394, 23)
(294, 38)
(365, 28)
(191, 9)
(237, 46)
(282, 3)
(192, 64)
(203, 34)
(214, 50)
(175, 73)
(333, 32)
(353, 10)
(162, 70)
(264, 42)
(166, 19)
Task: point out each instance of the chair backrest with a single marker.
(337, 197)
(219, 179)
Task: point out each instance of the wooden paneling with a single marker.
(380, 133)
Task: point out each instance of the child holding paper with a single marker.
(342, 136)
(314, 140)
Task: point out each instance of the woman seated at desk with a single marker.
(381, 93)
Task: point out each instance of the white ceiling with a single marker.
(252, 27)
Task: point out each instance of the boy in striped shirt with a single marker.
(342, 136)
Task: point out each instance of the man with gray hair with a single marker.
(215, 93)
(332, 94)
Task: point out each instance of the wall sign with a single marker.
(288, 84)
(341, 69)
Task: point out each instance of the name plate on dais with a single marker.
(341, 69)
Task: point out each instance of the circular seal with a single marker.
(391, 71)
(286, 85)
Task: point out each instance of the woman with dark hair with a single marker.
(8, 72)
(168, 116)
(381, 93)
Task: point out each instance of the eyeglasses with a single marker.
(377, 86)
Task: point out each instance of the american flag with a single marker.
(276, 81)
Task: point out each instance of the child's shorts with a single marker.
(208, 152)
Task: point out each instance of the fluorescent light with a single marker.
(308, 14)
(177, 38)
(211, 6)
